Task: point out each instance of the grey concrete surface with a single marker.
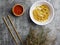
(24, 23)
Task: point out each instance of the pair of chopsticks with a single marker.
(19, 37)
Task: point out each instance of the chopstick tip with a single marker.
(3, 17)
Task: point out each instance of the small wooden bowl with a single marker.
(17, 10)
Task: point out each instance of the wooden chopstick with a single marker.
(9, 30)
(19, 37)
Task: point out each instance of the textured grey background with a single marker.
(23, 23)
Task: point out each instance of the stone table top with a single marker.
(23, 23)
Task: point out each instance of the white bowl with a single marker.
(38, 3)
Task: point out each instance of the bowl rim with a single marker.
(45, 22)
(14, 12)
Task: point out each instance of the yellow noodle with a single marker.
(41, 13)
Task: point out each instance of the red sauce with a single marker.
(18, 9)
